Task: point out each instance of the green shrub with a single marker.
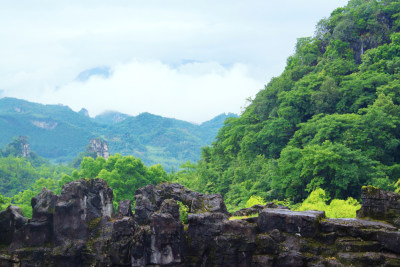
(183, 212)
(254, 200)
(337, 208)
(232, 218)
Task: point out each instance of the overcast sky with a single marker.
(189, 60)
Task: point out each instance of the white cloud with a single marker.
(189, 92)
(239, 45)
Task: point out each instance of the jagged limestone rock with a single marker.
(100, 147)
(85, 232)
(39, 230)
(380, 205)
(256, 209)
(79, 207)
(150, 198)
(303, 223)
(11, 220)
(124, 209)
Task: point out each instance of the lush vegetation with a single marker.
(183, 212)
(18, 173)
(337, 208)
(58, 133)
(330, 120)
(124, 174)
(313, 136)
(254, 200)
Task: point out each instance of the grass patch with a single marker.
(243, 217)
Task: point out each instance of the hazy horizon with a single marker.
(186, 60)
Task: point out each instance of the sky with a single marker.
(190, 60)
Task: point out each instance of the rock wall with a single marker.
(25, 147)
(100, 147)
(79, 228)
(380, 205)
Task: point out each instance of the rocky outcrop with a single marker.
(79, 208)
(100, 147)
(150, 198)
(47, 125)
(380, 205)
(79, 228)
(66, 227)
(25, 147)
(124, 209)
(11, 220)
(256, 209)
(39, 231)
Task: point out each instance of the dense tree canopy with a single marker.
(124, 174)
(330, 120)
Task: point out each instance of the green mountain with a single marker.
(59, 134)
(110, 117)
(330, 120)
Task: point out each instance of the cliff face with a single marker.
(100, 147)
(79, 228)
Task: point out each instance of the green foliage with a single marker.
(124, 174)
(334, 166)
(23, 198)
(330, 120)
(183, 212)
(337, 208)
(397, 186)
(18, 174)
(254, 200)
(59, 134)
(4, 202)
(232, 218)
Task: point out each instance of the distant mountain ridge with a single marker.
(58, 133)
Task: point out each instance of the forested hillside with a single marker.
(330, 120)
(59, 134)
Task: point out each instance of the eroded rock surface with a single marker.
(79, 228)
(39, 230)
(11, 220)
(150, 198)
(79, 208)
(380, 205)
(256, 209)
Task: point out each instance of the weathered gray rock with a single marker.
(39, 231)
(163, 242)
(150, 198)
(43, 205)
(170, 206)
(202, 231)
(122, 241)
(86, 235)
(256, 209)
(303, 223)
(80, 207)
(214, 240)
(390, 240)
(167, 242)
(236, 244)
(353, 227)
(11, 220)
(124, 209)
(380, 205)
(100, 147)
